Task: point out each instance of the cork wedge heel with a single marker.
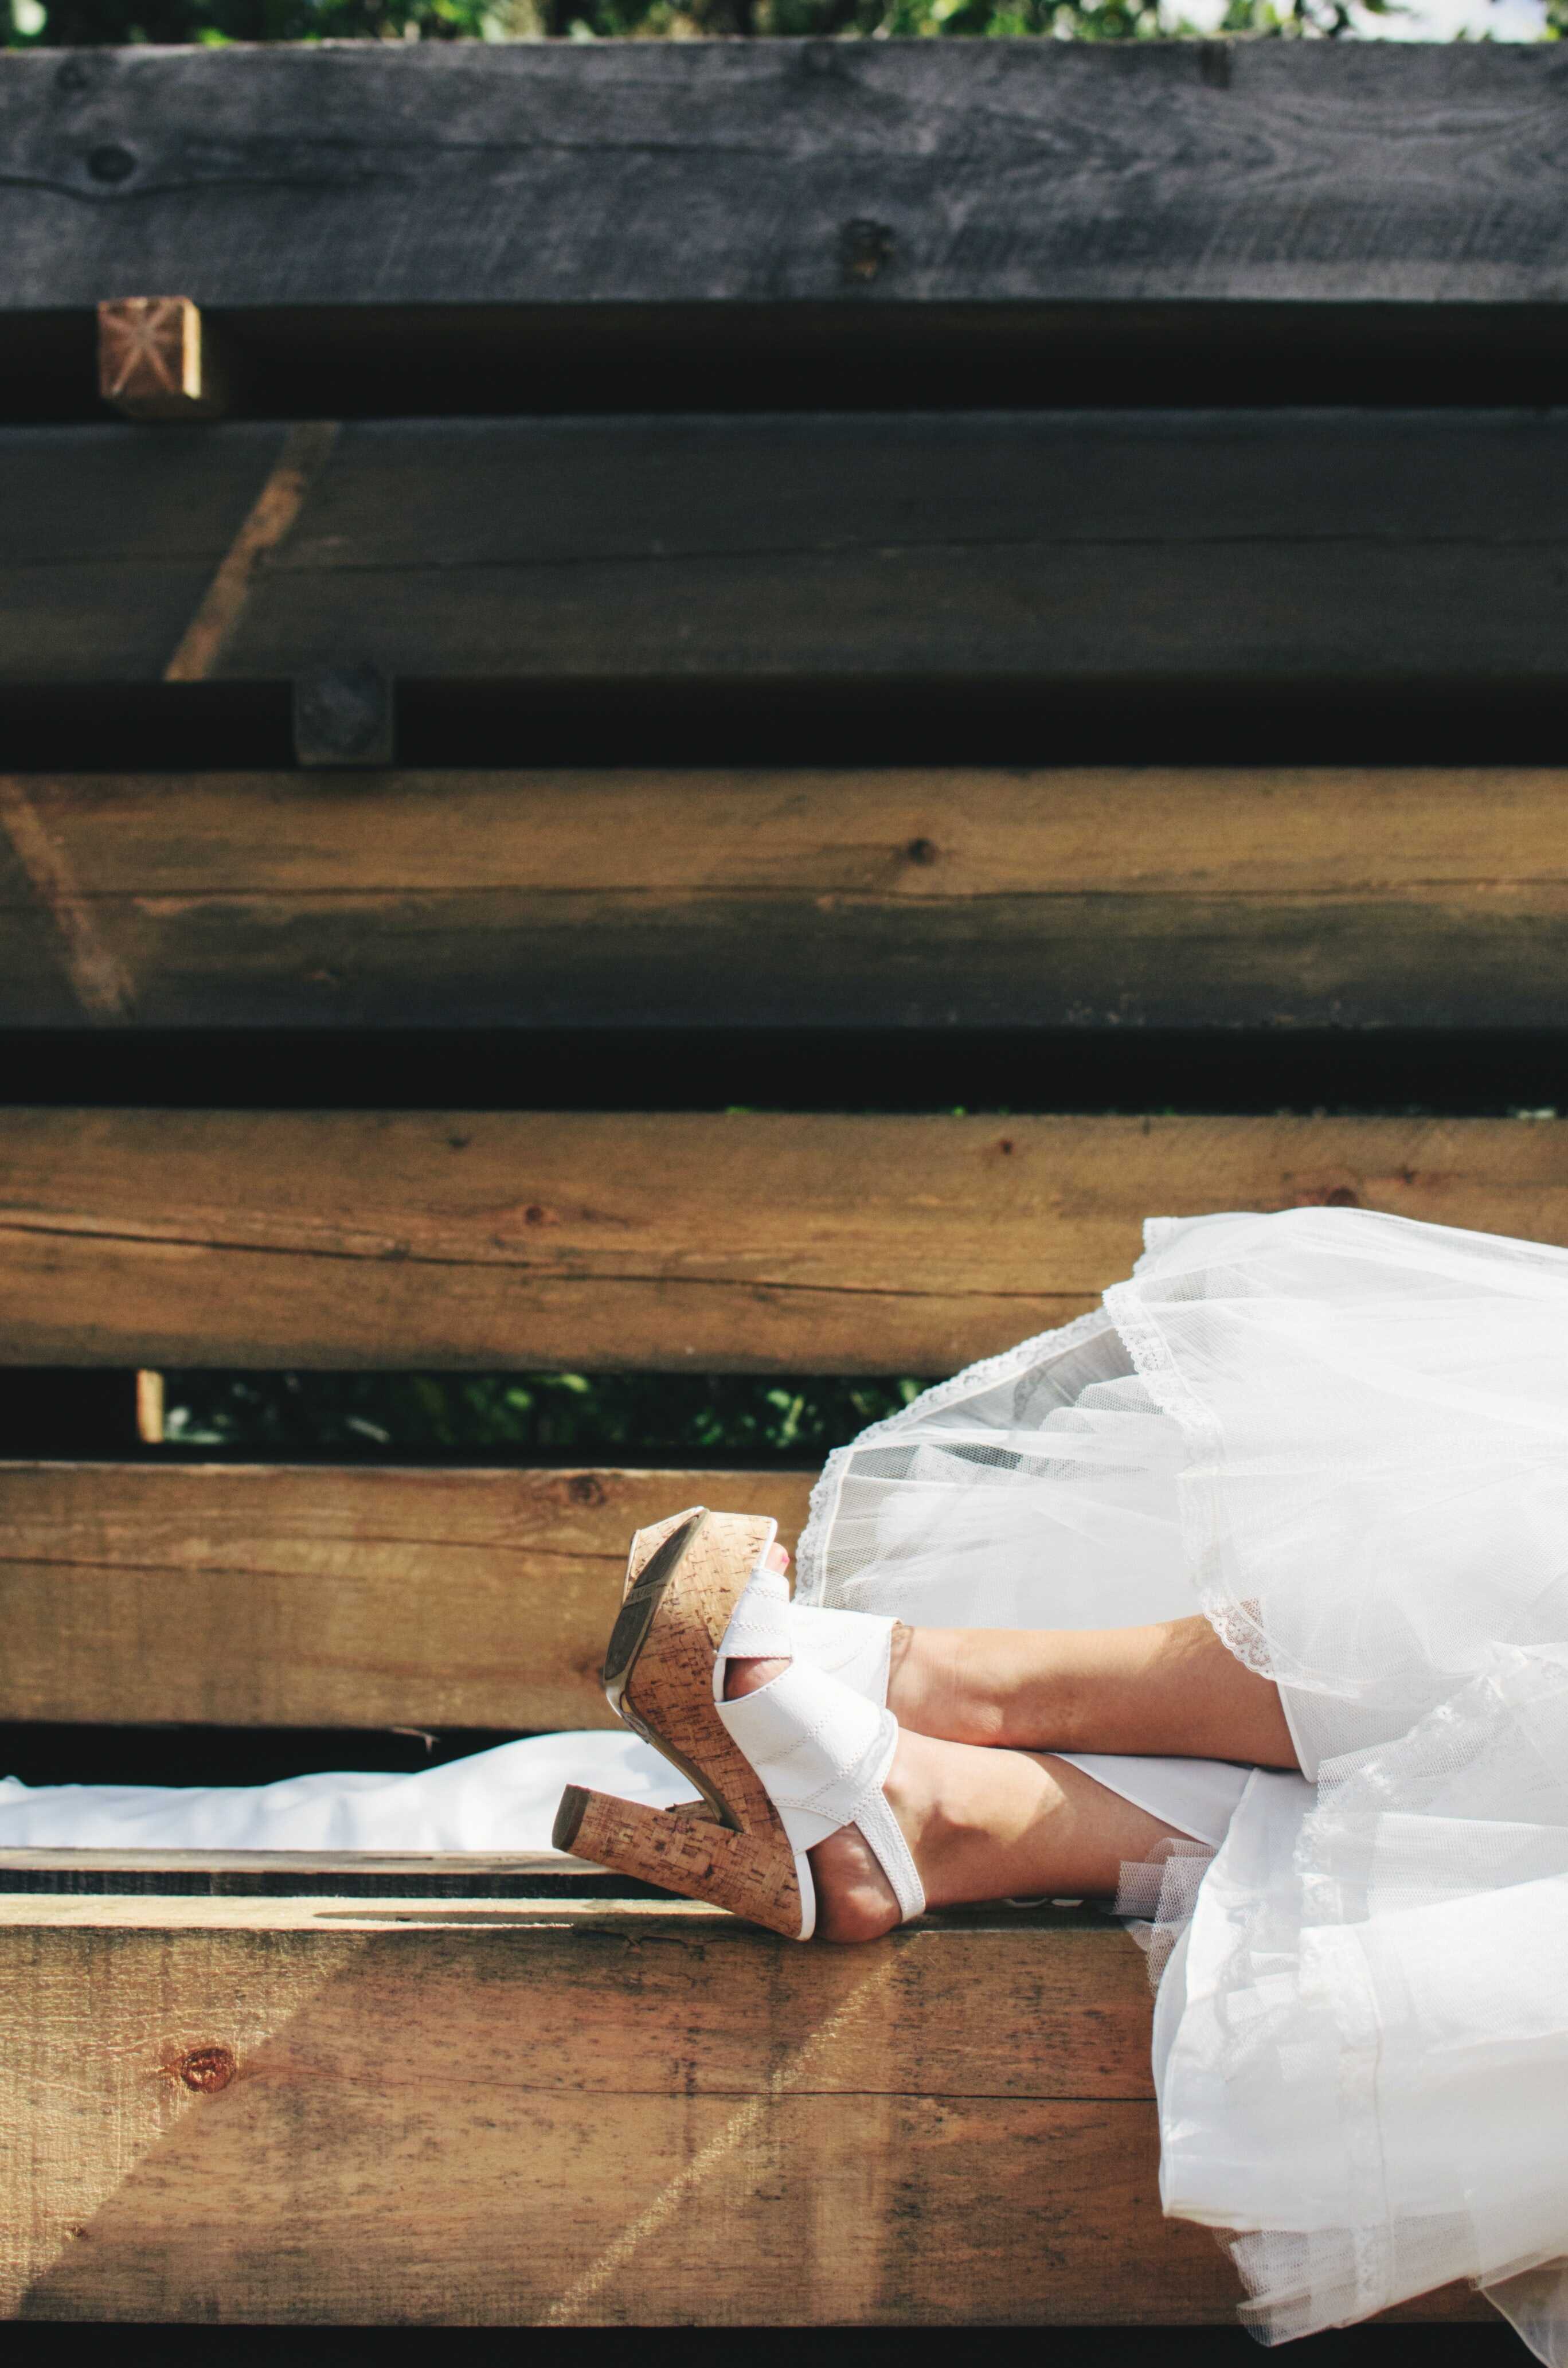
(685, 1577)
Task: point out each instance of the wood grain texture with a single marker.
(1092, 898)
(1048, 548)
(743, 1243)
(566, 2115)
(434, 1875)
(1015, 172)
(277, 1595)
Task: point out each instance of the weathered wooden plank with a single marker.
(745, 1243)
(853, 173)
(960, 897)
(1292, 547)
(568, 2115)
(708, 2012)
(432, 1875)
(417, 1906)
(167, 502)
(257, 1596)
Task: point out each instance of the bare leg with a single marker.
(987, 1810)
(980, 1824)
(1170, 1689)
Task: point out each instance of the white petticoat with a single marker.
(1360, 1426)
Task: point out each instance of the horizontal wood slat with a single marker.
(1046, 548)
(964, 896)
(745, 1243)
(50, 1871)
(1025, 171)
(276, 2111)
(257, 1596)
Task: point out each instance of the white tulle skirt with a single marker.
(1345, 1438)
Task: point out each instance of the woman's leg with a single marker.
(988, 1812)
(1172, 1690)
(982, 1823)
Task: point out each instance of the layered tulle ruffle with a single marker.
(1352, 1432)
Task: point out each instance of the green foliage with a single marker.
(623, 1415)
(58, 23)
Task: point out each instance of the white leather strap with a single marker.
(854, 1646)
(759, 1627)
(823, 1753)
(885, 1834)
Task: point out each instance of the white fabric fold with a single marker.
(495, 1801)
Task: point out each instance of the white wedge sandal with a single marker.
(779, 1771)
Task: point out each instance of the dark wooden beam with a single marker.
(993, 550)
(739, 1242)
(1101, 899)
(853, 174)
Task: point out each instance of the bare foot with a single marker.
(982, 1823)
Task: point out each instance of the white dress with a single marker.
(1358, 1428)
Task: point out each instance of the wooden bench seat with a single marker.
(580, 2112)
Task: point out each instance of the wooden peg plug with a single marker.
(344, 716)
(150, 1408)
(157, 359)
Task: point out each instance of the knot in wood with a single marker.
(207, 2070)
(585, 1490)
(110, 162)
(922, 851)
(863, 250)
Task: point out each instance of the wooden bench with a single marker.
(1000, 648)
(385, 2096)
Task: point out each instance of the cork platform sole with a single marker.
(729, 1848)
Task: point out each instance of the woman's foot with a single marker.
(855, 1899)
(981, 1823)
